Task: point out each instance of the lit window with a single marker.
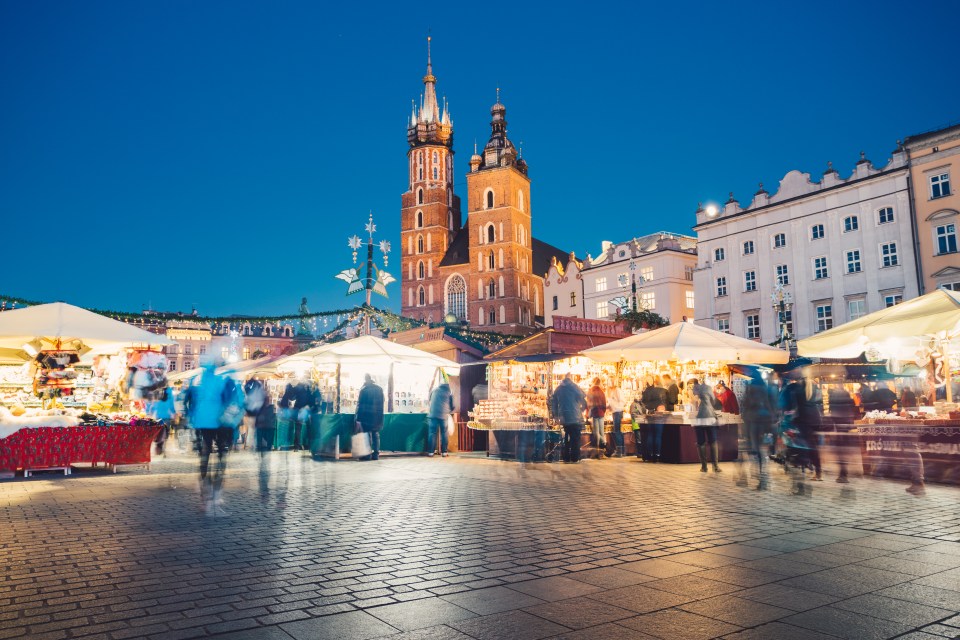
(779, 240)
(885, 215)
(753, 326)
(646, 274)
(602, 310)
(856, 308)
(689, 295)
(892, 299)
(816, 232)
(648, 300)
(750, 281)
(820, 268)
(719, 255)
(888, 254)
(723, 324)
(783, 276)
(601, 284)
(940, 185)
(721, 286)
(824, 317)
(946, 239)
(748, 247)
(853, 261)
(850, 223)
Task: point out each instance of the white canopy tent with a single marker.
(366, 350)
(61, 325)
(685, 341)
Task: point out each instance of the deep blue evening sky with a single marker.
(220, 153)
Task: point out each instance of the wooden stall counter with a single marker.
(329, 434)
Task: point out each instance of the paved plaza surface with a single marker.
(466, 547)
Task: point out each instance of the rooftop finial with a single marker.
(474, 146)
(498, 95)
(428, 52)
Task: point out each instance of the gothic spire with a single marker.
(429, 124)
(430, 111)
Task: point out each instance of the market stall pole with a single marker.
(375, 280)
(689, 349)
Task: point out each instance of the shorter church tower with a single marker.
(499, 226)
(429, 210)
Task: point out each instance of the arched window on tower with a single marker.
(420, 270)
(419, 219)
(457, 297)
(420, 175)
(503, 315)
(491, 234)
(436, 173)
(419, 244)
(483, 317)
(489, 199)
(491, 261)
(491, 316)
(501, 287)
(436, 158)
(421, 297)
(492, 289)
(520, 203)
(419, 196)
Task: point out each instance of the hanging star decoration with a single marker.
(371, 228)
(354, 243)
(385, 249)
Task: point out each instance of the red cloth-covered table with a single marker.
(45, 447)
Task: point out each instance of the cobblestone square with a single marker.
(468, 547)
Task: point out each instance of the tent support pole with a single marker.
(337, 403)
(390, 390)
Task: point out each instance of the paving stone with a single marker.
(554, 588)
(575, 614)
(417, 614)
(660, 568)
(781, 595)
(674, 624)
(354, 625)
(738, 611)
(693, 585)
(932, 596)
(847, 624)
(492, 600)
(641, 599)
(886, 608)
(516, 625)
(778, 631)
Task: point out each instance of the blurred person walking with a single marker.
(727, 398)
(441, 406)
(759, 417)
(214, 405)
(673, 393)
(370, 414)
(653, 398)
(802, 404)
(597, 407)
(164, 411)
(254, 397)
(568, 404)
(705, 423)
(615, 402)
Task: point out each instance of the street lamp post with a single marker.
(782, 304)
(633, 285)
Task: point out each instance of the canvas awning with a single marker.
(44, 325)
(685, 341)
(366, 350)
(897, 331)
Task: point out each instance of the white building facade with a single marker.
(842, 248)
(660, 264)
(563, 290)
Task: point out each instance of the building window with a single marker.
(491, 234)
(482, 316)
(556, 303)
(719, 254)
(573, 299)
(188, 365)
(646, 274)
(824, 317)
(783, 276)
(188, 349)
(820, 268)
(419, 244)
(748, 247)
(892, 299)
(436, 173)
(749, 280)
(816, 232)
(601, 284)
(489, 199)
(689, 295)
(419, 219)
(940, 185)
(648, 300)
(853, 261)
(503, 315)
(492, 289)
(753, 326)
(420, 270)
(419, 196)
(421, 297)
(885, 215)
(946, 239)
(246, 353)
(851, 223)
(723, 324)
(688, 273)
(888, 254)
(457, 297)
(492, 261)
(856, 308)
(172, 365)
(721, 286)
(203, 349)
(603, 309)
(950, 286)
(779, 240)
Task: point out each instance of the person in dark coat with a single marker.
(653, 397)
(568, 404)
(370, 414)
(441, 406)
(802, 404)
(759, 417)
(597, 405)
(673, 393)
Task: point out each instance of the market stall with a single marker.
(59, 404)
(684, 351)
(922, 334)
(406, 375)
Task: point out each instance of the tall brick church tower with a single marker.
(430, 211)
(501, 254)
